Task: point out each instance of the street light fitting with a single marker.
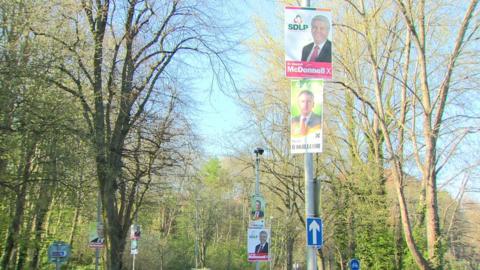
(258, 151)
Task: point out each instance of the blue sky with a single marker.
(221, 116)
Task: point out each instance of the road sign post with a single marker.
(58, 253)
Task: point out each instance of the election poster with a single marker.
(96, 237)
(308, 43)
(258, 245)
(135, 232)
(134, 247)
(306, 123)
(257, 211)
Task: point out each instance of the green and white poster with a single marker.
(95, 236)
(306, 125)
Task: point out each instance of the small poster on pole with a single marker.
(257, 211)
(134, 247)
(258, 245)
(308, 43)
(135, 232)
(96, 237)
(306, 116)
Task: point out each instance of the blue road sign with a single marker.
(58, 252)
(354, 264)
(314, 232)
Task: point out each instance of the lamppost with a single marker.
(258, 152)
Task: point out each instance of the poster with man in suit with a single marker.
(308, 43)
(306, 127)
(258, 244)
(257, 211)
(257, 203)
(96, 238)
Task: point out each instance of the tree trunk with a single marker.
(42, 206)
(74, 224)
(116, 232)
(76, 216)
(399, 247)
(432, 220)
(407, 229)
(290, 246)
(23, 243)
(21, 190)
(321, 260)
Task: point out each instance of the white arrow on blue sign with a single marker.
(314, 232)
(354, 264)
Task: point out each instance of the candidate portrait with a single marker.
(262, 247)
(320, 50)
(308, 121)
(257, 213)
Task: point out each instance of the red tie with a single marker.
(314, 54)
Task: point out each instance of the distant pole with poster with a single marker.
(257, 221)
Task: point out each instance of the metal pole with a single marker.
(312, 195)
(133, 259)
(99, 220)
(311, 205)
(57, 260)
(257, 174)
(257, 152)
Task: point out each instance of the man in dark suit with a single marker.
(258, 213)
(320, 50)
(307, 121)
(262, 248)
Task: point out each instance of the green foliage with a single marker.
(211, 171)
(228, 255)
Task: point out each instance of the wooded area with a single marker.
(96, 102)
